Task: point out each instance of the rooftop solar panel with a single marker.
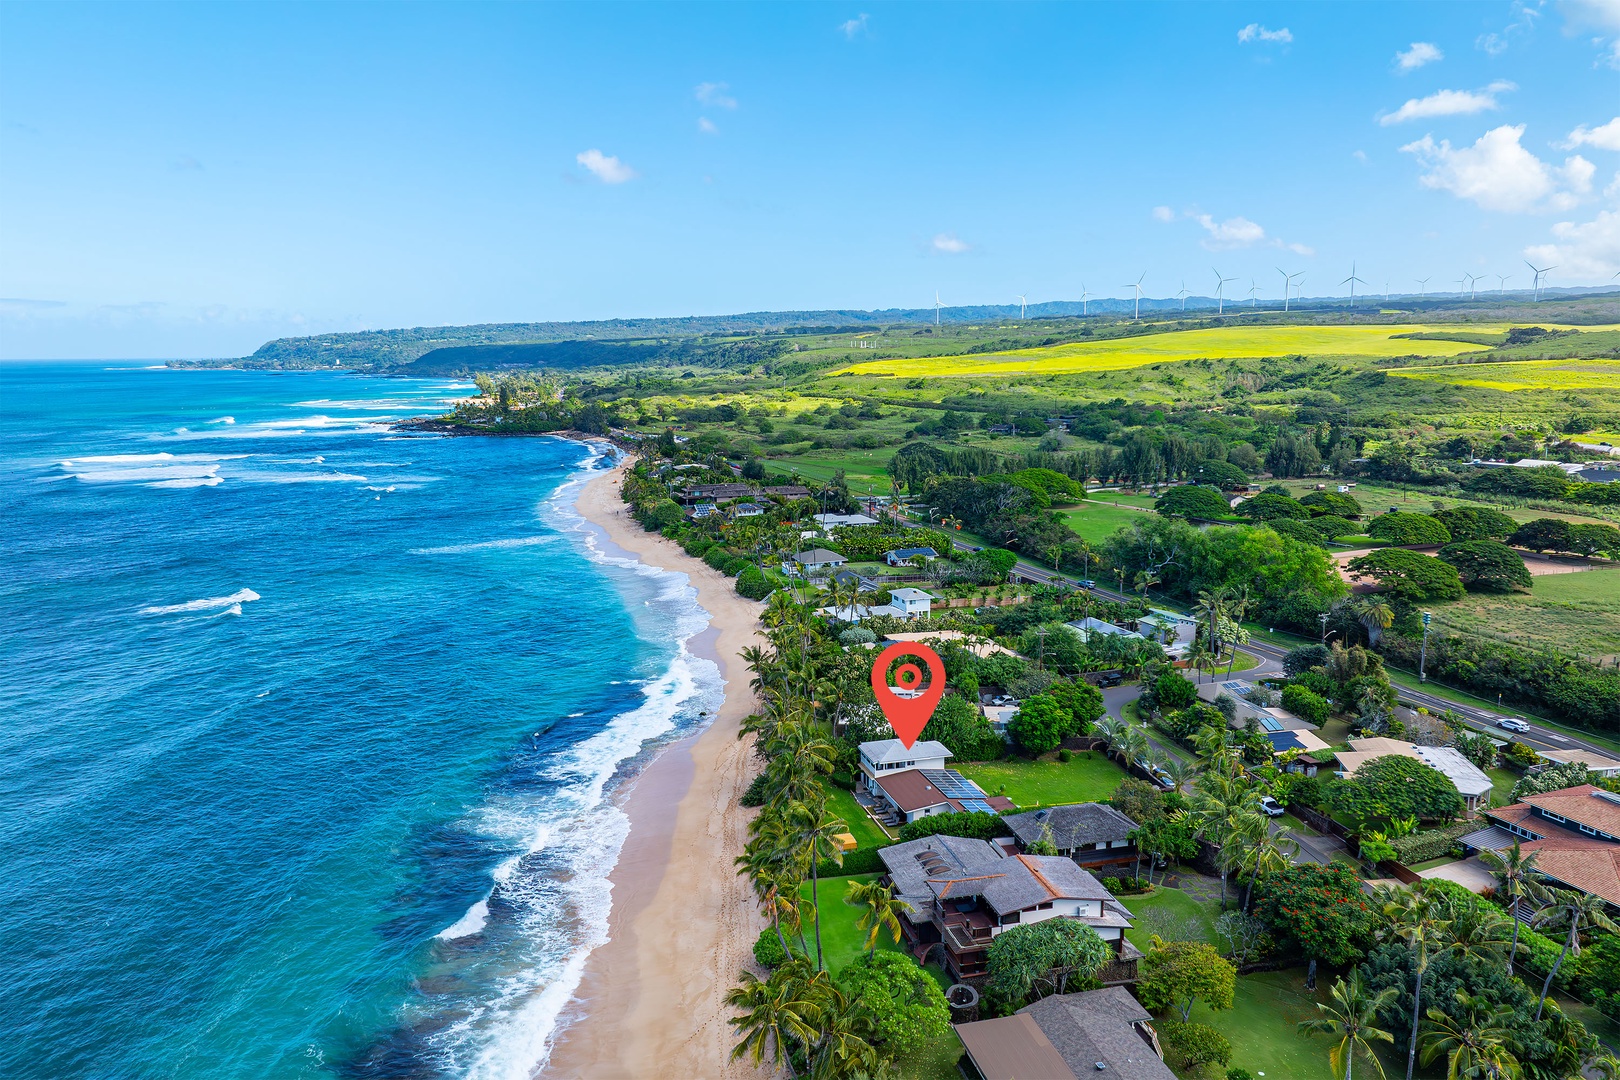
(976, 806)
(1271, 723)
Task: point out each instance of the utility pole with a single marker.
(1423, 650)
(1040, 662)
(1323, 618)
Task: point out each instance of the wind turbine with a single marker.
(1085, 309)
(1501, 283)
(1472, 278)
(1138, 287)
(1183, 295)
(1253, 288)
(1287, 278)
(936, 307)
(1539, 271)
(1021, 300)
(1352, 281)
(1386, 290)
(1423, 286)
(1220, 297)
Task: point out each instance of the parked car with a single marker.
(1110, 680)
(1271, 807)
(1512, 723)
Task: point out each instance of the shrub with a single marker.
(753, 584)
(1305, 704)
(1171, 691)
(1301, 659)
(1398, 527)
(1040, 724)
(768, 951)
(755, 793)
(1127, 886)
(905, 1004)
(975, 825)
(859, 861)
(1238, 1074)
(1193, 1045)
(855, 635)
(1065, 756)
(1430, 844)
(1519, 754)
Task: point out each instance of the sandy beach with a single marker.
(683, 923)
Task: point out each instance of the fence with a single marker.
(1320, 822)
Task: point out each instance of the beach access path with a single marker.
(652, 999)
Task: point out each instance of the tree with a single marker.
(1193, 501)
(1398, 527)
(1171, 691)
(1480, 1045)
(1224, 811)
(779, 1013)
(904, 1002)
(1393, 786)
(1317, 911)
(1268, 507)
(1542, 534)
(1412, 576)
(1039, 725)
(1192, 1046)
(1552, 778)
(1242, 934)
(1487, 566)
(1083, 701)
(1574, 910)
(1375, 616)
(1138, 800)
(1330, 527)
(1352, 1015)
(1336, 503)
(1417, 920)
(1178, 973)
(1023, 960)
(1222, 474)
(1165, 840)
(1466, 523)
(958, 724)
(1594, 539)
(1293, 455)
(883, 910)
(1303, 658)
(1305, 705)
(1515, 881)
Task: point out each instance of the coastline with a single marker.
(651, 1001)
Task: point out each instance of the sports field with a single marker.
(1220, 343)
(1524, 374)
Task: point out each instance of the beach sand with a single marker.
(652, 1000)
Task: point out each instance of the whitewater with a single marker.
(315, 726)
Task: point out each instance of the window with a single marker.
(1550, 816)
(1588, 830)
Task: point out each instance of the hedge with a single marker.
(1430, 843)
(859, 861)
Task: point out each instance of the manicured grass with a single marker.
(1090, 777)
(1165, 909)
(1432, 863)
(867, 833)
(842, 942)
(1096, 521)
(1502, 781)
(936, 1060)
(1262, 1025)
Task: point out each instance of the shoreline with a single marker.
(651, 1000)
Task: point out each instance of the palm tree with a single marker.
(809, 830)
(1111, 730)
(1416, 920)
(1479, 1044)
(1576, 909)
(1224, 812)
(1267, 853)
(777, 1013)
(1179, 772)
(882, 912)
(1353, 1017)
(1375, 616)
(1143, 581)
(1513, 871)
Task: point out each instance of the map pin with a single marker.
(908, 715)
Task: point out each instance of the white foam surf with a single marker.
(482, 545)
(469, 924)
(236, 599)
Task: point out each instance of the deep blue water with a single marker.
(309, 727)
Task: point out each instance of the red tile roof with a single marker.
(1588, 863)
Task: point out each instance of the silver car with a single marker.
(1512, 723)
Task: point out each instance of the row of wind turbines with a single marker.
(1292, 285)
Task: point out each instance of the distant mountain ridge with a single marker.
(428, 350)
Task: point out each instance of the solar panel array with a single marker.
(952, 784)
(976, 806)
(1271, 723)
(1233, 685)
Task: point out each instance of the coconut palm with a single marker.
(1480, 1043)
(1224, 811)
(1574, 910)
(809, 830)
(1143, 581)
(1267, 853)
(1179, 772)
(1514, 872)
(1111, 730)
(1133, 746)
(778, 1012)
(1352, 1015)
(1421, 923)
(1375, 616)
(883, 910)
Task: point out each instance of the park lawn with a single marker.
(1171, 914)
(1115, 498)
(842, 942)
(1090, 777)
(1262, 1025)
(867, 833)
(1096, 521)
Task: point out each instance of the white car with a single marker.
(1270, 807)
(1512, 723)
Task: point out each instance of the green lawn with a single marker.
(935, 1061)
(1096, 521)
(1262, 1026)
(1171, 914)
(1090, 777)
(1578, 613)
(867, 833)
(841, 940)
(1502, 781)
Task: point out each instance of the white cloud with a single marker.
(1255, 32)
(1448, 103)
(948, 244)
(706, 126)
(715, 93)
(1500, 174)
(1604, 15)
(853, 26)
(1525, 14)
(1421, 52)
(608, 169)
(1234, 232)
(1587, 251)
(1359, 155)
(1604, 136)
(1299, 249)
(1163, 213)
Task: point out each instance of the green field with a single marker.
(1221, 343)
(1579, 613)
(841, 940)
(1523, 374)
(1172, 915)
(1096, 521)
(1090, 777)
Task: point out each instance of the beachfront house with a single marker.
(818, 560)
(891, 755)
(903, 556)
(1092, 834)
(747, 510)
(1103, 1033)
(1472, 784)
(961, 893)
(1574, 833)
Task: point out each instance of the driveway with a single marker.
(1469, 873)
(1313, 848)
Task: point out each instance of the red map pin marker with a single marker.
(908, 715)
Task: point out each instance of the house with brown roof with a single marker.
(1094, 1033)
(917, 793)
(1574, 832)
(961, 893)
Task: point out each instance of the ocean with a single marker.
(311, 726)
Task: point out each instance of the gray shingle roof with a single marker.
(1078, 825)
(1099, 1026)
(951, 867)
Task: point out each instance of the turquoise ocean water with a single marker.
(311, 727)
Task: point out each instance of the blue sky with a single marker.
(191, 181)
